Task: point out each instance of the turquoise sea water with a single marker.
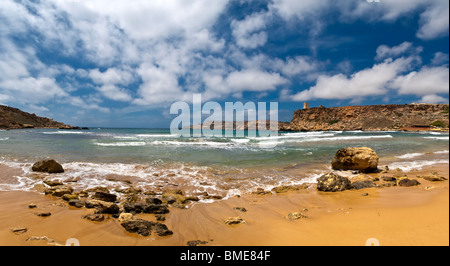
(154, 157)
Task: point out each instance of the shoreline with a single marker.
(396, 216)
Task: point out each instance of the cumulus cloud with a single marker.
(429, 80)
(249, 33)
(385, 51)
(368, 82)
(433, 98)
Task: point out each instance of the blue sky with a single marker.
(117, 63)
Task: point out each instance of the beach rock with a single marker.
(363, 184)
(19, 230)
(95, 217)
(296, 216)
(52, 183)
(43, 214)
(261, 192)
(241, 209)
(153, 201)
(104, 196)
(32, 206)
(145, 228)
(195, 243)
(362, 159)
(332, 182)
(284, 189)
(145, 208)
(408, 182)
(234, 220)
(59, 191)
(77, 203)
(433, 178)
(123, 217)
(160, 217)
(103, 206)
(69, 197)
(48, 166)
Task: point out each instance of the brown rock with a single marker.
(332, 183)
(408, 182)
(48, 166)
(361, 159)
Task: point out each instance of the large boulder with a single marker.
(48, 166)
(332, 182)
(362, 159)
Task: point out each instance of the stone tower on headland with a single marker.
(305, 106)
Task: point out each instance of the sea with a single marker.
(154, 159)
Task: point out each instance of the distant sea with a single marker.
(155, 159)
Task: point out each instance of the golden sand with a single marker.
(395, 216)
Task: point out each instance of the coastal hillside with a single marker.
(13, 118)
(370, 118)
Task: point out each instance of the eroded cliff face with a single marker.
(13, 118)
(370, 118)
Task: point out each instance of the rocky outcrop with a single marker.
(370, 118)
(48, 166)
(362, 159)
(13, 118)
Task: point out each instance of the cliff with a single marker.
(13, 118)
(370, 118)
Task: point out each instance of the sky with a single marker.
(123, 63)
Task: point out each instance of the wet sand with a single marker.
(395, 216)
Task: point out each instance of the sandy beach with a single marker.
(395, 216)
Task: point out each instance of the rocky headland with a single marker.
(409, 117)
(13, 118)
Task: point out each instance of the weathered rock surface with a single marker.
(368, 118)
(48, 166)
(332, 182)
(363, 184)
(145, 228)
(408, 182)
(362, 159)
(234, 220)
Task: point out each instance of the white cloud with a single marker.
(434, 22)
(254, 80)
(433, 98)
(385, 51)
(429, 80)
(159, 86)
(440, 58)
(249, 33)
(368, 82)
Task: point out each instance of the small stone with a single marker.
(365, 194)
(160, 217)
(296, 216)
(19, 230)
(195, 243)
(234, 221)
(95, 217)
(32, 206)
(241, 209)
(434, 178)
(43, 214)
